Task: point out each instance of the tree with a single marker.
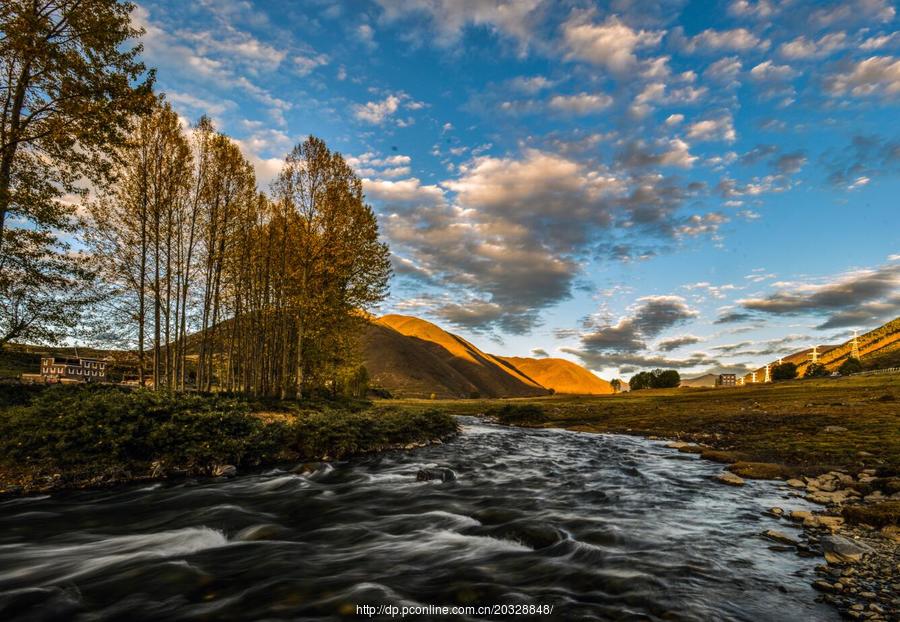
(816, 370)
(134, 232)
(784, 371)
(640, 381)
(656, 379)
(616, 385)
(850, 366)
(69, 83)
(665, 379)
(40, 292)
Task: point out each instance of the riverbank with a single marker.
(833, 441)
(68, 437)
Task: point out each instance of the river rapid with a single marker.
(598, 526)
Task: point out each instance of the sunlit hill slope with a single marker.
(411, 357)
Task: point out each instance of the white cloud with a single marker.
(767, 71)
(582, 103)
(611, 44)
(530, 84)
(674, 119)
(736, 40)
(721, 128)
(376, 112)
(803, 48)
(305, 64)
(876, 75)
(724, 70)
(409, 192)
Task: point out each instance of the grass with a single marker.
(877, 515)
(79, 436)
(775, 429)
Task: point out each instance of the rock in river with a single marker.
(727, 477)
(840, 550)
(443, 474)
(777, 536)
(225, 470)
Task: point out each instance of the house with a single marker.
(726, 380)
(68, 370)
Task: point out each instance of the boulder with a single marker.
(800, 515)
(727, 477)
(224, 470)
(777, 536)
(816, 521)
(266, 531)
(841, 550)
(795, 483)
(435, 473)
(831, 429)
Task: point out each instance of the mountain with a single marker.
(561, 375)
(414, 358)
(877, 348)
(706, 380)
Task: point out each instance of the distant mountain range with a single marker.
(414, 358)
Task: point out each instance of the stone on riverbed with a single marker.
(777, 536)
(795, 483)
(225, 470)
(435, 473)
(727, 477)
(840, 550)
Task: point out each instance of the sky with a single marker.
(702, 186)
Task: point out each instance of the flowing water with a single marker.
(599, 527)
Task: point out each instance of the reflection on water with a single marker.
(602, 527)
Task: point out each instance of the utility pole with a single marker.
(753, 377)
(768, 375)
(815, 355)
(854, 353)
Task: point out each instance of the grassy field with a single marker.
(774, 430)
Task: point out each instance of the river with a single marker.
(598, 526)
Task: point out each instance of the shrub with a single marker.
(784, 371)
(518, 414)
(816, 370)
(341, 434)
(86, 431)
(850, 366)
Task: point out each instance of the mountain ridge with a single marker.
(412, 357)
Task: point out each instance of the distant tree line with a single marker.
(180, 257)
(656, 379)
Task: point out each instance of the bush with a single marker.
(816, 370)
(86, 431)
(341, 434)
(657, 379)
(850, 366)
(785, 371)
(516, 414)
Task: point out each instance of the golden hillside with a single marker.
(873, 345)
(561, 375)
(414, 358)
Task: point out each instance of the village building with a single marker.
(726, 380)
(68, 370)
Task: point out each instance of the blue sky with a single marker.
(698, 185)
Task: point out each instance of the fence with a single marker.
(875, 372)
